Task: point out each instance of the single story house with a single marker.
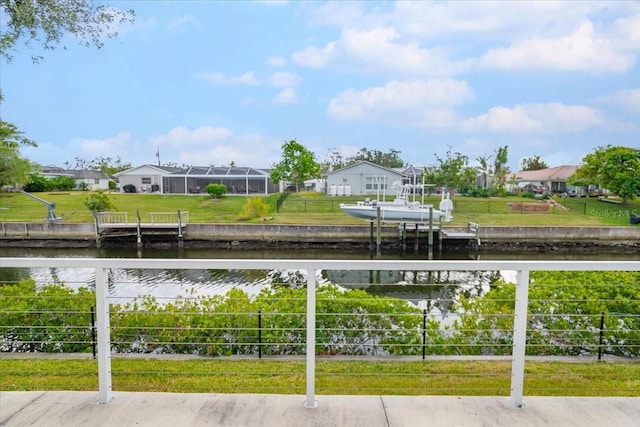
(362, 179)
(89, 179)
(550, 180)
(194, 179)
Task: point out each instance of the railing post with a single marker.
(310, 401)
(104, 339)
(93, 331)
(519, 338)
(259, 334)
(601, 336)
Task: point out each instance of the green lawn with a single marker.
(441, 377)
(313, 208)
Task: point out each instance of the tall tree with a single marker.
(334, 160)
(615, 168)
(14, 169)
(389, 160)
(108, 165)
(485, 168)
(533, 163)
(500, 168)
(45, 22)
(452, 171)
(297, 164)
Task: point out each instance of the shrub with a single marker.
(217, 190)
(36, 184)
(255, 207)
(83, 186)
(54, 318)
(61, 183)
(99, 202)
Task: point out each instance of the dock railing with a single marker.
(310, 270)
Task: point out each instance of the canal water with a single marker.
(434, 291)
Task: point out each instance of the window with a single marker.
(375, 183)
(146, 180)
(96, 181)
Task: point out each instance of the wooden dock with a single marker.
(470, 233)
(117, 224)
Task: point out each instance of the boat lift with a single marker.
(51, 216)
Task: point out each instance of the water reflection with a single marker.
(433, 291)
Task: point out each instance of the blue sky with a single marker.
(211, 82)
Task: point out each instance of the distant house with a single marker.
(362, 179)
(194, 179)
(550, 180)
(89, 179)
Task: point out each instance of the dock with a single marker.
(117, 224)
(471, 233)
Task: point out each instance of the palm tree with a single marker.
(485, 168)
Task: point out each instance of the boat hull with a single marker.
(391, 213)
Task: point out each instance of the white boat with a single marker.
(401, 209)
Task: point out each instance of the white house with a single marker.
(90, 179)
(362, 179)
(549, 180)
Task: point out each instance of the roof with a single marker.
(203, 171)
(75, 173)
(558, 173)
(160, 169)
(360, 163)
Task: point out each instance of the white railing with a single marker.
(311, 267)
(112, 218)
(169, 217)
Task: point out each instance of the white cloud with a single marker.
(247, 78)
(183, 21)
(486, 20)
(582, 50)
(415, 103)
(315, 57)
(378, 50)
(93, 147)
(422, 37)
(183, 137)
(536, 118)
(629, 27)
(284, 79)
(286, 96)
(210, 145)
(627, 100)
(276, 61)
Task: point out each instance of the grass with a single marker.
(314, 208)
(271, 376)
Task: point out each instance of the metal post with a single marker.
(519, 338)
(424, 333)
(310, 402)
(259, 334)
(93, 330)
(104, 339)
(601, 336)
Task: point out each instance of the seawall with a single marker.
(39, 234)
